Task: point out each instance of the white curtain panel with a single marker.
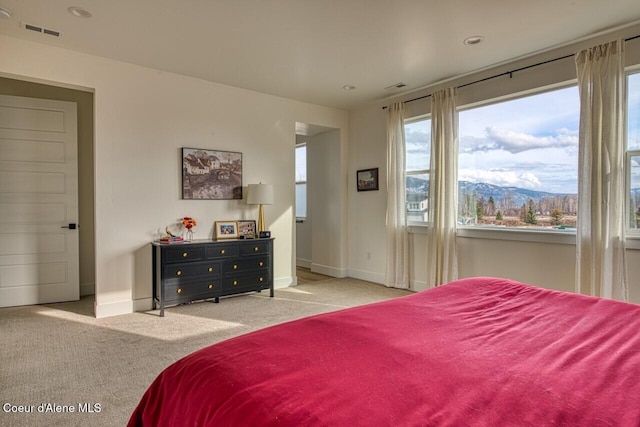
(600, 243)
(442, 258)
(397, 274)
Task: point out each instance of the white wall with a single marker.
(367, 209)
(548, 261)
(142, 118)
(325, 184)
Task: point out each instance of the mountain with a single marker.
(518, 196)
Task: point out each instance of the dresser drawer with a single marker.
(201, 289)
(184, 253)
(245, 264)
(245, 282)
(188, 270)
(255, 247)
(223, 250)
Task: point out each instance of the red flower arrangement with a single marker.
(189, 223)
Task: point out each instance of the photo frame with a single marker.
(226, 230)
(211, 174)
(247, 229)
(367, 179)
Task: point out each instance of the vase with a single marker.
(189, 236)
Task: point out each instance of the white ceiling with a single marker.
(309, 49)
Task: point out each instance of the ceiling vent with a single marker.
(396, 86)
(41, 30)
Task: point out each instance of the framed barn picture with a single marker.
(211, 174)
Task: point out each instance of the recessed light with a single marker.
(79, 12)
(348, 87)
(5, 13)
(473, 40)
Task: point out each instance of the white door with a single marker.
(38, 197)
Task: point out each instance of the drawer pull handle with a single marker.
(222, 251)
(179, 290)
(179, 273)
(184, 254)
(210, 286)
(261, 279)
(256, 249)
(235, 266)
(235, 282)
(210, 269)
(261, 263)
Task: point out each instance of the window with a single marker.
(301, 181)
(633, 149)
(418, 154)
(518, 162)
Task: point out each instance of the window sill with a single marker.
(567, 237)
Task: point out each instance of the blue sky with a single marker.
(529, 142)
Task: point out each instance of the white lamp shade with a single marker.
(260, 194)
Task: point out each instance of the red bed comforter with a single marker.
(477, 352)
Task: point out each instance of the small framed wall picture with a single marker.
(226, 230)
(247, 229)
(367, 179)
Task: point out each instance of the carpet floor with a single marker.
(60, 366)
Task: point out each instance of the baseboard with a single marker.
(367, 275)
(305, 263)
(143, 304)
(329, 271)
(113, 309)
(418, 285)
(283, 282)
(87, 289)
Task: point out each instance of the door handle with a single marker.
(71, 226)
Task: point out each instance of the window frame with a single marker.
(633, 233)
(480, 230)
(410, 120)
(305, 182)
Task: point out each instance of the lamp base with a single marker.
(260, 218)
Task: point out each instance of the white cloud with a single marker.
(517, 142)
(503, 178)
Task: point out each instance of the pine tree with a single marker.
(499, 216)
(491, 206)
(556, 217)
(530, 214)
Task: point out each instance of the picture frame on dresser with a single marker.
(247, 229)
(226, 230)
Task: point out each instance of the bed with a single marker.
(477, 352)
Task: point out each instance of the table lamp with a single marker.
(260, 194)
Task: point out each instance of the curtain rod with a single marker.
(507, 73)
